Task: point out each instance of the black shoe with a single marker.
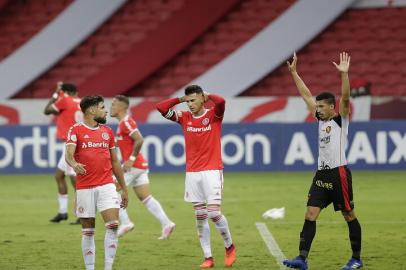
(77, 222)
(59, 217)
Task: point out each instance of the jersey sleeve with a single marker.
(60, 103)
(131, 126)
(166, 109)
(72, 137)
(112, 143)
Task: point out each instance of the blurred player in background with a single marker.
(332, 182)
(64, 103)
(204, 166)
(130, 140)
(90, 151)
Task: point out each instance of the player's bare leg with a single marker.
(88, 245)
(62, 197)
(110, 217)
(154, 207)
(220, 221)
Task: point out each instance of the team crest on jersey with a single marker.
(105, 136)
(205, 121)
(328, 129)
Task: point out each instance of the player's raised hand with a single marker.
(344, 65)
(124, 199)
(292, 65)
(205, 96)
(79, 169)
(58, 86)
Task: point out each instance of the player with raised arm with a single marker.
(129, 140)
(332, 182)
(204, 166)
(90, 151)
(64, 103)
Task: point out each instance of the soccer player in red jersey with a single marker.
(129, 140)
(64, 103)
(204, 166)
(90, 151)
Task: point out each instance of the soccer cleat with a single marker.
(76, 222)
(125, 228)
(59, 217)
(297, 263)
(230, 256)
(167, 231)
(207, 263)
(353, 264)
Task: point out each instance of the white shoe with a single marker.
(125, 228)
(167, 231)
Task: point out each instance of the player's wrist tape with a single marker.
(55, 95)
(132, 158)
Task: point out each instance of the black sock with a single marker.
(306, 237)
(354, 229)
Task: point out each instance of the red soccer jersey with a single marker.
(202, 140)
(93, 150)
(126, 128)
(202, 133)
(69, 114)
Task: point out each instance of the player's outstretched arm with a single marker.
(165, 107)
(219, 104)
(118, 173)
(301, 86)
(343, 68)
(49, 109)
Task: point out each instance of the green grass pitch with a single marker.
(29, 241)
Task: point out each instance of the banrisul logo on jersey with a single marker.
(245, 147)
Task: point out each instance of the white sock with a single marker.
(203, 229)
(155, 208)
(63, 203)
(221, 224)
(123, 215)
(88, 248)
(110, 244)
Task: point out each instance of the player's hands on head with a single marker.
(292, 64)
(182, 99)
(124, 199)
(58, 87)
(128, 165)
(344, 65)
(79, 169)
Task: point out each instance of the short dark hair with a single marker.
(192, 89)
(328, 97)
(123, 99)
(90, 101)
(69, 88)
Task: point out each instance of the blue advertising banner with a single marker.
(372, 145)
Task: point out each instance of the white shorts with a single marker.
(136, 177)
(64, 166)
(204, 186)
(98, 198)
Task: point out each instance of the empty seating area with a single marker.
(20, 20)
(237, 27)
(127, 26)
(376, 40)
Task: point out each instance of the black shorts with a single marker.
(332, 186)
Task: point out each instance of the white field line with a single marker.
(271, 244)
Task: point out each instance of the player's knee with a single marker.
(348, 216)
(214, 212)
(200, 211)
(112, 225)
